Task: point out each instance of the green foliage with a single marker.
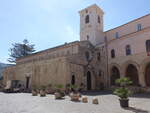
(124, 81)
(123, 92)
(59, 86)
(42, 87)
(59, 89)
(73, 87)
(20, 50)
(34, 87)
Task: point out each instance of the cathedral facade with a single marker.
(97, 60)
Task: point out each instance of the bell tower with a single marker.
(91, 24)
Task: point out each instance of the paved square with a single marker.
(25, 103)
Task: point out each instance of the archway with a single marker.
(115, 74)
(132, 73)
(73, 79)
(89, 81)
(27, 82)
(147, 75)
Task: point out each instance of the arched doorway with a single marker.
(27, 82)
(89, 81)
(147, 75)
(132, 73)
(73, 80)
(115, 74)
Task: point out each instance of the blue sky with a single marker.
(48, 23)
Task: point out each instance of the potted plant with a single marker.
(123, 92)
(59, 92)
(34, 91)
(43, 91)
(68, 89)
(74, 95)
(49, 89)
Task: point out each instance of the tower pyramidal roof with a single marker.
(92, 6)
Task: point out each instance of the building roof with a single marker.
(94, 5)
(50, 49)
(54, 48)
(128, 23)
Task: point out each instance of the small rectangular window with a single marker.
(117, 35)
(139, 27)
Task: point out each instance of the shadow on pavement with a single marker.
(142, 95)
(95, 93)
(135, 110)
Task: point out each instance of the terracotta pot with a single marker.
(42, 93)
(75, 96)
(95, 101)
(34, 93)
(85, 100)
(58, 95)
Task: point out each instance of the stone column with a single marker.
(122, 72)
(142, 78)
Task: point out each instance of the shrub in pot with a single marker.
(123, 92)
(49, 89)
(43, 91)
(74, 95)
(34, 91)
(59, 92)
(68, 89)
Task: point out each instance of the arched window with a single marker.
(112, 53)
(99, 20)
(87, 55)
(87, 19)
(128, 50)
(148, 47)
(115, 74)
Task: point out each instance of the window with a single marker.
(148, 47)
(139, 27)
(87, 19)
(87, 55)
(117, 35)
(128, 50)
(112, 53)
(99, 20)
(87, 37)
(98, 56)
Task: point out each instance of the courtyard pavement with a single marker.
(108, 103)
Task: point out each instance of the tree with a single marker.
(20, 50)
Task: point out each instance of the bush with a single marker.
(123, 92)
(42, 87)
(124, 81)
